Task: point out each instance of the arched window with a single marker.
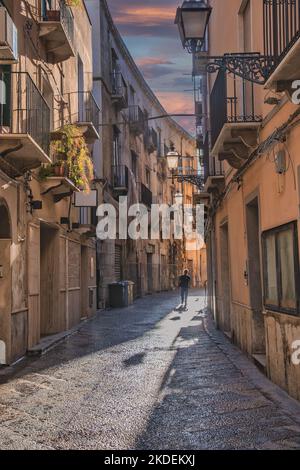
(4, 222)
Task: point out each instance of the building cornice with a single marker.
(137, 73)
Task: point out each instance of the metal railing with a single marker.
(231, 101)
(136, 119)
(120, 177)
(118, 88)
(281, 27)
(59, 11)
(80, 107)
(23, 109)
(150, 139)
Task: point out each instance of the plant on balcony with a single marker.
(73, 3)
(71, 150)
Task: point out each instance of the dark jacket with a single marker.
(184, 281)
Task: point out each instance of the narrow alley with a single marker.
(145, 377)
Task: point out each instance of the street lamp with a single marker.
(172, 159)
(192, 19)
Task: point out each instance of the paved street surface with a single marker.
(146, 377)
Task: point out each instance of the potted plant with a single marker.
(53, 15)
(71, 149)
(59, 168)
(73, 3)
(45, 172)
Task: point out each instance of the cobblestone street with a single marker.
(146, 377)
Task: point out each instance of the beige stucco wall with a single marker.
(278, 199)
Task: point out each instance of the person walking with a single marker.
(184, 283)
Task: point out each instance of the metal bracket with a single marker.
(195, 180)
(58, 197)
(252, 67)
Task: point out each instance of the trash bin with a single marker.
(130, 290)
(121, 294)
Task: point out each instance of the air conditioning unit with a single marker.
(8, 37)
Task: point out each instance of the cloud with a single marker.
(144, 18)
(155, 67)
(148, 29)
(176, 102)
(153, 61)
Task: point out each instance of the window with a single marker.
(148, 178)
(159, 143)
(114, 62)
(116, 147)
(131, 96)
(281, 269)
(134, 164)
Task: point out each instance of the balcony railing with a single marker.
(120, 177)
(136, 120)
(281, 27)
(119, 90)
(23, 110)
(150, 139)
(81, 109)
(231, 101)
(211, 166)
(89, 110)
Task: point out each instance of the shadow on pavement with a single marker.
(207, 403)
(108, 329)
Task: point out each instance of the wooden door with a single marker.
(33, 284)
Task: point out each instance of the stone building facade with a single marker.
(136, 136)
(48, 275)
(71, 96)
(251, 157)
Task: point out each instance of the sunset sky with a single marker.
(147, 26)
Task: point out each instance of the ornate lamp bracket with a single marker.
(252, 67)
(195, 180)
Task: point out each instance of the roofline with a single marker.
(138, 74)
(87, 13)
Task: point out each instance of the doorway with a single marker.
(149, 273)
(255, 279)
(84, 282)
(5, 283)
(50, 318)
(225, 278)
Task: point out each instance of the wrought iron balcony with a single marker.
(120, 179)
(150, 139)
(212, 168)
(119, 92)
(234, 121)
(81, 109)
(136, 120)
(56, 23)
(24, 123)
(282, 40)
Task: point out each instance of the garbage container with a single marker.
(121, 294)
(130, 290)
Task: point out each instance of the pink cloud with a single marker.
(153, 61)
(151, 16)
(176, 102)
